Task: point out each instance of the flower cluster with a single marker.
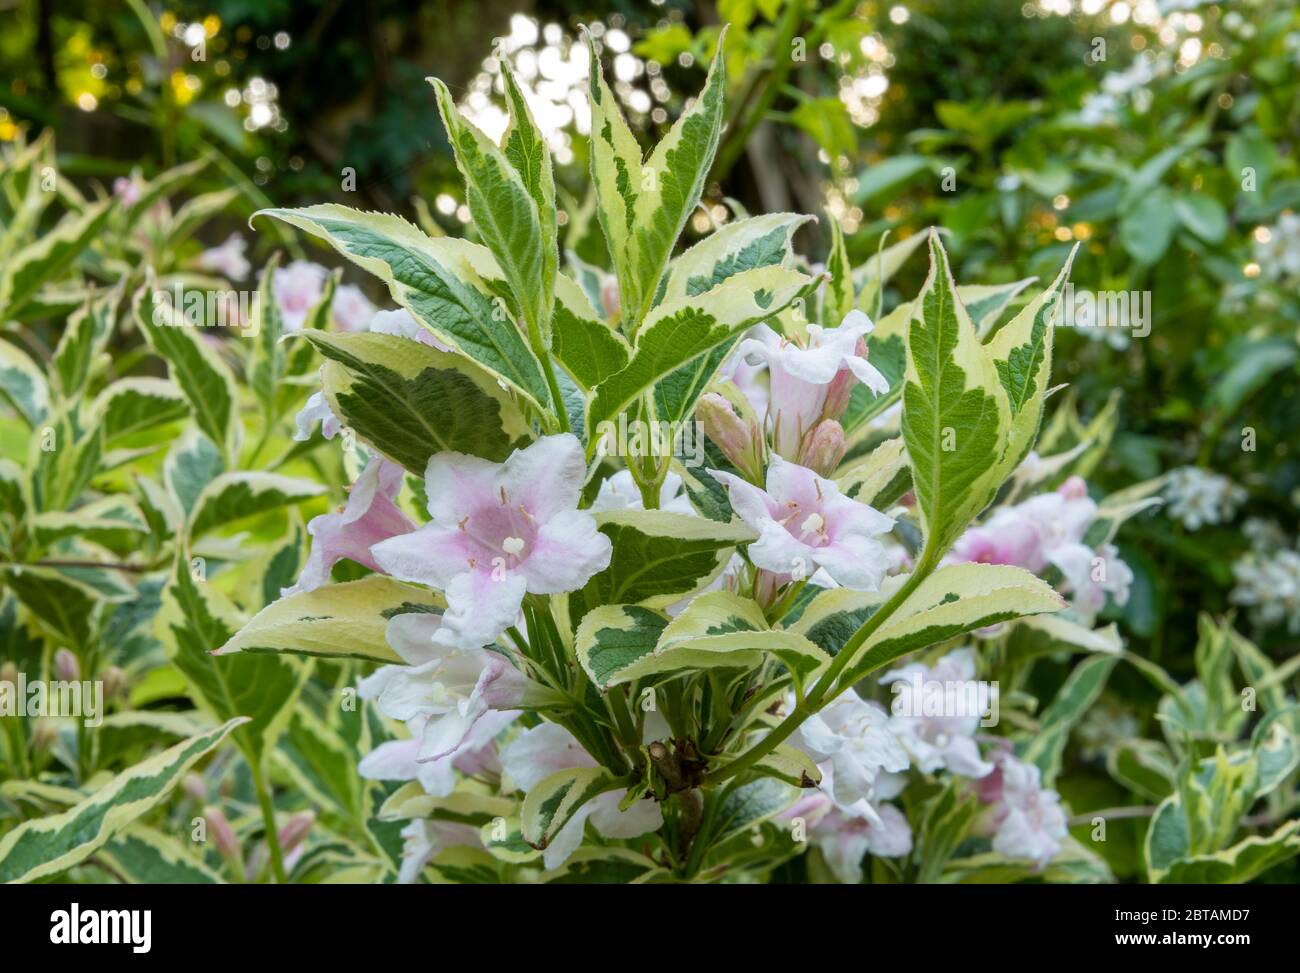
(1049, 531)
(1198, 497)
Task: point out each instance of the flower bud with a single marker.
(194, 787)
(729, 432)
(66, 666)
(840, 389)
(114, 680)
(223, 835)
(609, 298)
(293, 831)
(823, 447)
(1074, 488)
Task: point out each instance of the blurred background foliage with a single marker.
(1160, 136)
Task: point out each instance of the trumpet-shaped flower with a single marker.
(844, 838)
(499, 531)
(1026, 819)
(351, 309)
(804, 523)
(806, 378)
(298, 286)
(441, 693)
(370, 516)
(548, 748)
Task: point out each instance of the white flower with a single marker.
(1198, 497)
(844, 838)
(351, 308)
(620, 492)
(937, 711)
(422, 840)
(1028, 820)
(852, 742)
(297, 288)
(1269, 584)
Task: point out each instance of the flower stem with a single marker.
(268, 820)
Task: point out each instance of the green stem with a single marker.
(268, 821)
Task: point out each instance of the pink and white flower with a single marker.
(403, 324)
(441, 694)
(499, 531)
(805, 523)
(316, 410)
(1026, 819)
(351, 309)
(423, 840)
(549, 748)
(811, 380)
(298, 287)
(844, 839)
(369, 516)
(228, 260)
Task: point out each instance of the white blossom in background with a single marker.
(1277, 248)
(1268, 584)
(1198, 497)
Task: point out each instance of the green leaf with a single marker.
(1203, 215)
(146, 856)
(955, 413)
(1075, 698)
(52, 254)
(1022, 355)
(229, 497)
(46, 846)
(504, 207)
(84, 337)
(196, 619)
(1239, 864)
(837, 301)
(955, 599)
(106, 517)
(613, 637)
(658, 558)
(644, 206)
(344, 620)
(195, 369)
(439, 281)
(134, 405)
(749, 244)
(553, 801)
(23, 385)
(191, 464)
(683, 343)
(1147, 227)
(409, 400)
(879, 478)
(587, 348)
(266, 366)
(63, 606)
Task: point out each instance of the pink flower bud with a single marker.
(66, 666)
(194, 786)
(823, 447)
(293, 831)
(609, 298)
(223, 835)
(730, 434)
(840, 389)
(1074, 488)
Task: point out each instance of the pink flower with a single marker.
(351, 308)
(807, 378)
(844, 838)
(804, 523)
(370, 516)
(298, 287)
(127, 190)
(620, 492)
(228, 260)
(548, 748)
(856, 751)
(423, 840)
(499, 531)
